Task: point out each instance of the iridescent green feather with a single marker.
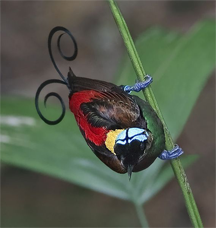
(154, 125)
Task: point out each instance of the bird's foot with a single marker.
(138, 86)
(174, 153)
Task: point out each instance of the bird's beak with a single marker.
(130, 170)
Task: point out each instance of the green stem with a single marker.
(149, 96)
(141, 215)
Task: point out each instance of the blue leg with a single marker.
(174, 153)
(138, 86)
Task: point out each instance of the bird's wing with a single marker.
(111, 110)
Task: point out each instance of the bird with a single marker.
(122, 130)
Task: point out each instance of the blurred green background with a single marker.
(30, 199)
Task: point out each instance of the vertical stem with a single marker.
(141, 215)
(149, 96)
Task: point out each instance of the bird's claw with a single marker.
(139, 85)
(174, 153)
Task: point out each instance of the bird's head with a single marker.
(130, 146)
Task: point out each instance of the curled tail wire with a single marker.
(64, 80)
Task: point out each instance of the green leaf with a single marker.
(180, 66)
(60, 151)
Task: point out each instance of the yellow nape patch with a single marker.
(110, 140)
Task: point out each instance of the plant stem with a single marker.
(141, 215)
(149, 96)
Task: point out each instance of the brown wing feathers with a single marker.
(113, 109)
